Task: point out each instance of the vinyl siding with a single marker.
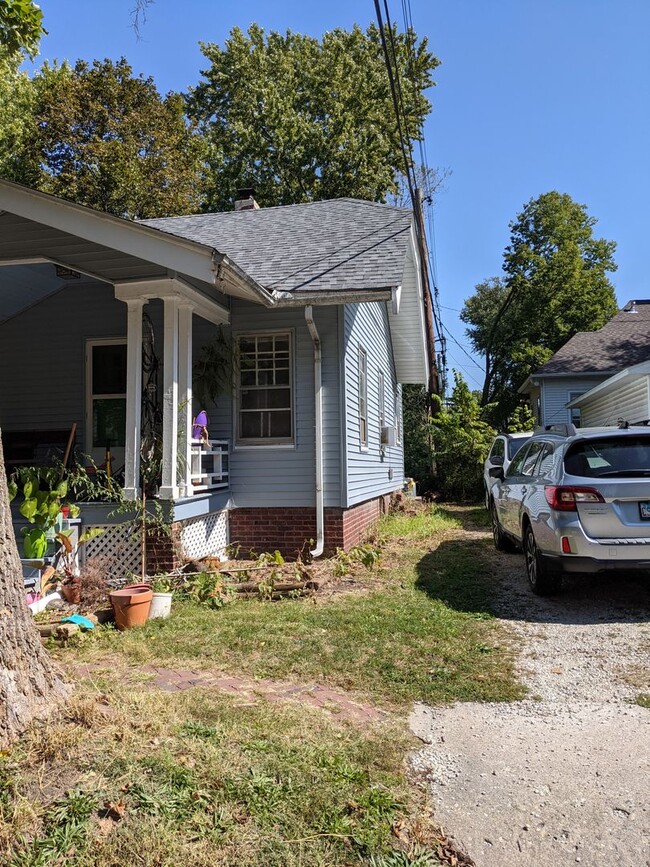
(368, 470)
(629, 401)
(42, 357)
(284, 475)
(556, 395)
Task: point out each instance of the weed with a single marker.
(643, 699)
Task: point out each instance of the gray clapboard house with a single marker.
(594, 379)
(323, 305)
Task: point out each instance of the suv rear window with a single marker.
(622, 457)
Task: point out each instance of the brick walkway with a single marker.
(335, 702)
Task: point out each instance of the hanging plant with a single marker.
(213, 369)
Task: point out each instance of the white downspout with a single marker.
(318, 413)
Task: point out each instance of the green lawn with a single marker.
(422, 629)
(131, 775)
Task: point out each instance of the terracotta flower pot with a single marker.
(131, 605)
(71, 593)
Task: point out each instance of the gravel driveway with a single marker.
(562, 777)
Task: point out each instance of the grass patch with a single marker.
(201, 781)
(421, 630)
(643, 699)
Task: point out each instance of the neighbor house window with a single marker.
(106, 376)
(265, 398)
(363, 397)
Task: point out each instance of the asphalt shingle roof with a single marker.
(340, 244)
(620, 343)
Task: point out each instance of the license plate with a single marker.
(644, 510)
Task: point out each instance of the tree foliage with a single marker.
(105, 138)
(16, 107)
(554, 284)
(462, 440)
(418, 445)
(301, 119)
(21, 26)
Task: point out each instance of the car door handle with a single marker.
(523, 489)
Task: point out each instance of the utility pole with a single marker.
(434, 375)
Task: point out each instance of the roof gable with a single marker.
(620, 343)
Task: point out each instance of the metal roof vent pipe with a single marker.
(632, 307)
(245, 200)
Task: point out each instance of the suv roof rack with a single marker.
(567, 430)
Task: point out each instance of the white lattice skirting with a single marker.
(117, 550)
(206, 536)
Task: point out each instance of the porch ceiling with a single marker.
(22, 286)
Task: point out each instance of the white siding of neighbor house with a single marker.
(285, 475)
(628, 401)
(556, 393)
(368, 469)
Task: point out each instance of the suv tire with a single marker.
(501, 541)
(544, 580)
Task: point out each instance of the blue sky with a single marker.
(532, 95)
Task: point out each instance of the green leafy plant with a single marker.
(208, 588)
(161, 584)
(44, 493)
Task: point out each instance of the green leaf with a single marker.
(28, 508)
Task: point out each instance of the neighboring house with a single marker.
(324, 306)
(557, 390)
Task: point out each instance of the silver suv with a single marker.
(575, 501)
(502, 451)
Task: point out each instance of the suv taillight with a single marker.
(565, 498)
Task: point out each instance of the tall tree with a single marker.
(16, 108)
(21, 26)
(105, 138)
(554, 284)
(301, 119)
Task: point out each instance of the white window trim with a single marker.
(362, 360)
(381, 400)
(91, 342)
(398, 415)
(264, 443)
(572, 395)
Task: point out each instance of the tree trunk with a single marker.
(30, 683)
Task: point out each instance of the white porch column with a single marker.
(169, 488)
(133, 398)
(185, 396)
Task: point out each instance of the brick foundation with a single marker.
(289, 530)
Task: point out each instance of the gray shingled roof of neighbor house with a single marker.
(340, 244)
(622, 342)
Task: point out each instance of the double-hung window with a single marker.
(363, 398)
(106, 396)
(265, 393)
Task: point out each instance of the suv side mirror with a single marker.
(496, 460)
(496, 473)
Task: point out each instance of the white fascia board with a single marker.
(611, 384)
(321, 299)
(129, 237)
(408, 327)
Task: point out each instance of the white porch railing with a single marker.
(209, 465)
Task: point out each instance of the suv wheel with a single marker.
(501, 541)
(543, 580)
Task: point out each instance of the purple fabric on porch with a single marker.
(200, 423)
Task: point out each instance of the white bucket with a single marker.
(161, 605)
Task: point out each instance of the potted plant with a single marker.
(67, 562)
(161, 603)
